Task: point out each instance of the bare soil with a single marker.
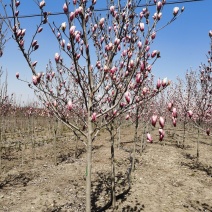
(166, 178)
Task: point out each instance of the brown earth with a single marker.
(166, 178)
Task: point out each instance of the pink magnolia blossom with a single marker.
(69, 105)
(62, 43)
(127, 117)
(68, 46)
(34, 63)
(65, 8)
(153, 35)
(174, 112)
(71, 16)
(149, 138)
(147, 48)
(159, 15)
(161, 134)
(57, 57)
(139, 44)
(144, 91)
(127, 96)
(122, 104)
(174, 121)
(17, 3)
(159, 5)
(112, 9)
(175, 11)
(138, 78)
(93, 117)
(42, 4)
(34, 80)
(141, 25)
(72, 30)
(141, 15)
(170, 106)
(21, 42)
(101, 22)
(190, 113)
(165, 82)
(55, 103)
(161, 122)
(17, 75)
(36, 47)
(16, 13)
(158, 83)
(154, 53)
(210, 33)
(34, 42)
(23, 31)
(154, 120)
(40, 29)
(63, 26)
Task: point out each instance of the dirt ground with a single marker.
(166, 178)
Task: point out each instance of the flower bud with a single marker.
(149, 138)
(154, 53)
(158, 84)
(210, 33)
(127, 117)
(153, 35)
(93, 117)
(154, 120)
(174, 112)
(42, 4)
(190, 113)
(17, 3)
(63, 26)
(34, 80)
(159, 5)
(112, 9)
(169, 106)
(164, 82)
(65, 8)
(57, 57)
(161, 122)
(34, 63)
(17, 75)
(72, 30)
(127, 96)
(174, 121)
(40, 29)
(141, 25)
(175, 11)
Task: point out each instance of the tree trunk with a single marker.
(143, 141)
(198, 142)
(113, 190)
(55, 142)
(88, 167)
(135, 140)
(184, 131)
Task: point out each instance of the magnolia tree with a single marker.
(104, 61)
(202, 112)
(182, 101)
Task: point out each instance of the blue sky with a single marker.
(183, 44)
